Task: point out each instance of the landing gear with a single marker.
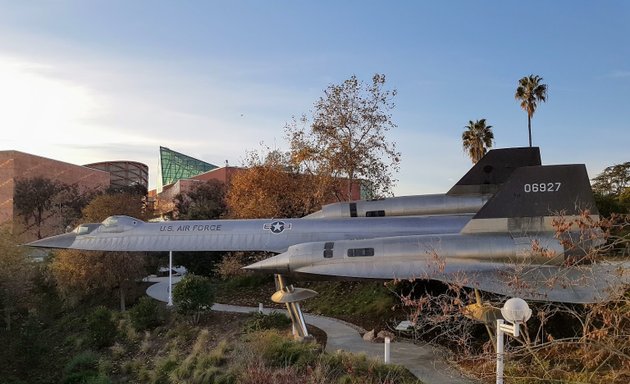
(485, 313)
(287, 294)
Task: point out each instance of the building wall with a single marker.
(164, 201)
(124, 173)
(15, 165)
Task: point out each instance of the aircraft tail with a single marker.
(532, 197)
(494, 169)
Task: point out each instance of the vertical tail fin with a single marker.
(494, 169)
(532, 196)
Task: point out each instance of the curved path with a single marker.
(424, 361)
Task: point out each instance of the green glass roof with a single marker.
(176, 166)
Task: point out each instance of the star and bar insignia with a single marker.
(277, 226)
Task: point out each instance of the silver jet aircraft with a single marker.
(411, 215)
(492, 231)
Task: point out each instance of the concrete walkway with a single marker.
(423, 360)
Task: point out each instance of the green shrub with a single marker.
(260, 322)
(250, 280)
(83, 369)
(98, 380)
(102, 327)
(194, 296)
(86, 361)
(146, 314)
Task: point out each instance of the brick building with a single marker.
(15, 165)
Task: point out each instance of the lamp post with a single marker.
(170, 279)
(516, 312)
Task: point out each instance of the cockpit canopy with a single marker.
(84, 229)
(119, 224)
(112, 224)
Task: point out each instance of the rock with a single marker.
(368, 336)
(383, 334)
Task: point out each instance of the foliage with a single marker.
(259, 322)
(351, 368)
(146, 314)
(39, 199)
(530, 92)
(193, 296)
(347, 137)
(202, 365)
(33, 198)
(25, 347)
(84, 363)
(198, 263)
(279, 351)
(231, 267)
(283, 360)
(341, 298)
(477, 139)
(69, 204)
(205, 201)
(106, 205)
(271, 187)
(16, 273)
(82, 273)
(613, 180)
(250, 280)
(102, 327)
(612, 189)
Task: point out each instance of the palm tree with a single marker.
(477, 139)
(530, 91)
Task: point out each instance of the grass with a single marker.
(363, 303)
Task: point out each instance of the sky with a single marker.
(85, 81)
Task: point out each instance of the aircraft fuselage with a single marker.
(123, 233)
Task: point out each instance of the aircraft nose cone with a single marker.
(60, 241)
(275, 264)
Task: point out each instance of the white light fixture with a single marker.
(517, 312)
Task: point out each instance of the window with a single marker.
(328, 250)
(360, 252)
(380, 213)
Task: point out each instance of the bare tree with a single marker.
(347, 136)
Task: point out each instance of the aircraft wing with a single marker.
(576, 284)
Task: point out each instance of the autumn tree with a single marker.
(110, 204)
(205, 201)
(82, 273)
(16, 273)
(530, 92)
(271, 187)
(477, 139)
(346, 137)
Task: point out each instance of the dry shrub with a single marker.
(585, 343)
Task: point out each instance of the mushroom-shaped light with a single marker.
(516, 311)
